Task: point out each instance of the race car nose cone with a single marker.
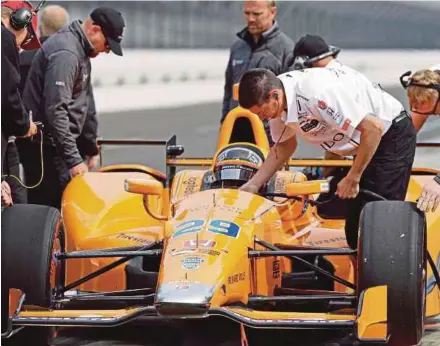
(183, 299)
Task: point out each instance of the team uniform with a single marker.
(325, 105)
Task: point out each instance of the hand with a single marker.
(250, 187)
(430, 198)
(348, 188)
(6, 195)
(92, 161)
(78, 169)
(33, 129)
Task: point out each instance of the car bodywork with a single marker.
(187, 252)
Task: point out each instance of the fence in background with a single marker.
(213, 24)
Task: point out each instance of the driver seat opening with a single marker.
(242, 131)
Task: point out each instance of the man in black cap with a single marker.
(59, 93)
(313, 51)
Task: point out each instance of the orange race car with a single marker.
(135, 244)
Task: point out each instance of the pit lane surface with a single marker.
(196, 128)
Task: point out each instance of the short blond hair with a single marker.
(418, 95)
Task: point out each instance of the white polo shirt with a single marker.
(325, 105)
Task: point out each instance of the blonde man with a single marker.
(423, 89)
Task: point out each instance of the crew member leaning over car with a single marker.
(423, 89)
(342, 112)
(260, 44)
(58, 92)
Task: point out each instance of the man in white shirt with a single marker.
(342, 112)
(424, 99)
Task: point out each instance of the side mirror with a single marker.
(144, 187)
(307, 188)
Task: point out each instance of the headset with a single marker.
(303, 62)
(21, 17)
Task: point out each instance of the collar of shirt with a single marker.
(288, 81)
(84, 40)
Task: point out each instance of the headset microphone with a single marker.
(21, 17)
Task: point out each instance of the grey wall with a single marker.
(213, 24)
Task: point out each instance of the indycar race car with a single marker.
(133, 244)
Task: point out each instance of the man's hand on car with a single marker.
(6, 195)
(249, 187)
(348, 188)
(78, 169)
(430, 198)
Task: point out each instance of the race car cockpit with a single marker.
(234, 165)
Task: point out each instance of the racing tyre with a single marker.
(392, 252)
(31, 236)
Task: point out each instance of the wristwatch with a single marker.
(437, 178)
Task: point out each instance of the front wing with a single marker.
(369, 321)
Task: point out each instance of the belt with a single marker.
(403, 114)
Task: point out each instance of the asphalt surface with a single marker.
(196, 128)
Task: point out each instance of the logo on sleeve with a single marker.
(346, 124)
(322, 105)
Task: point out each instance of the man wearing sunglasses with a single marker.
(58, 90)
(423, 89)
(16, 121)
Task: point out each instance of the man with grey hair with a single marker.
(52, 18)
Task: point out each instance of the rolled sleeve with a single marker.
(61, 70)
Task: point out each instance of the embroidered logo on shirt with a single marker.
(322, 105)
(60, 83)
(237, 62)
(346, 124)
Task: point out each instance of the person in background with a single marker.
(423, 89)
(260, 44)
(58, 92)
(18, 31)
(52, 18)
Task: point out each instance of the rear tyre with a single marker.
(392, 252)
(31, 236)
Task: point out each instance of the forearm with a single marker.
(368, 145)
(278, 155)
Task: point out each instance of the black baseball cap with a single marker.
(312, 46)
(112, 25)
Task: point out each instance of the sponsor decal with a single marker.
(322, 105)
(201, 251)
(199, 243)
(309, 125)
(137, 239)
(190, 186)
(336, 138)
(346, 124)
(276, 269)
(192, 263)
(227, 228)
(236, 278)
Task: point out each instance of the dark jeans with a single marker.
(387, 174)
(56, 174)
(11, 167)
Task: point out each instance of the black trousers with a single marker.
(387, 174)
(11, 167)
(56, 174)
